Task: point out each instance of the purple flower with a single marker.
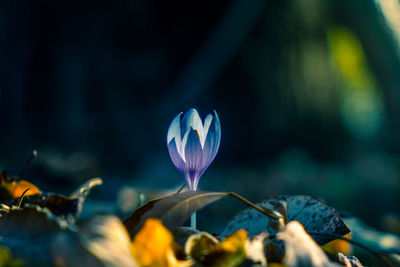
(193, 145)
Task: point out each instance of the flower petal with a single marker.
(181, 149)
(194, 157)
(206, 126)
(174, 129)
(176, 157)
(193, 146)
(191, 120)
(213, 140)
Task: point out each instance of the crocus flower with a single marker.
(193, 145)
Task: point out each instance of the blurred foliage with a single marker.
(362, 107)
(105, 78)
(6, 260)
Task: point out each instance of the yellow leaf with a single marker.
(153, 246)
(207, 250)
(15, 189)
(338, 245)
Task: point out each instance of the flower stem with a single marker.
(193, 220)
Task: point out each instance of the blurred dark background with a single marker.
(308, 94)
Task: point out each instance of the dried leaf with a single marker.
(200, 245)
(338, 245)
(301, 249)
(58, 204)
(100, 241)
(28, 231)
(11, 189)
(107, 239)
(255, 250)
(172, 210)
(68, 208)
(349, 261)
(153, 246)
(81, 193)
(207, 250)
(313, 214)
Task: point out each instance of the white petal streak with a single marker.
(181, 148)
(176, 157)
(207, 123)
(191, 120)
(212, 141)
(174, 130)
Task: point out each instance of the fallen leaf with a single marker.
(172, 210)
(349, 261)
(100, 241)
(68, 208)
(255, 249)
(232, 251)
(106, 237)
(313, 214)
(81, 193)
(58, 204)
(301, 249)
(153, 246)
(12, 189)
(338, 245)
(29, 230)
(199, 247)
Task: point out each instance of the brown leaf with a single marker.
(301, 249)
(209, 251)
(172, 210)
(68, 208)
